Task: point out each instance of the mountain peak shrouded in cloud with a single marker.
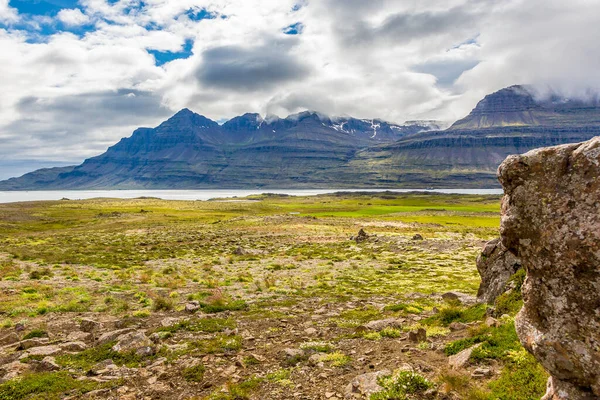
(397, 60)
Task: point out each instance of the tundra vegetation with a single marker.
(262, 297)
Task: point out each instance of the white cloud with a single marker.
(390, 59)
(7, 13)
(73, 17)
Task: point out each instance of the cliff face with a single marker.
(312, 150)
(551, 220)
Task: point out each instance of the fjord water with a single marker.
(17, 196)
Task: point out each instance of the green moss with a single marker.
(208, 325)
(35, 333)
(218, 344)
(497, 342)
(216, 307)
(455, 313)
(523, 378)
(194, 373)
(512, 301)
(47, 386)
(239, 391)
(401, 384)
(86, 359)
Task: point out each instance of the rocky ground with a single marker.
(263, 298)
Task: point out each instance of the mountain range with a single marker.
(311, 150)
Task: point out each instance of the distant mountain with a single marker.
(509, 121)
(189, 150)
(517, 106)
(312, 150)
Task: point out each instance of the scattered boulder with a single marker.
(113, 335)
(48, 364)
(11, 338)
(310, 331)
(79, 336)
(362, 236)
(34, 342)
(13, 370)
(89, 325)
(457, 326)
(192, 306)
(134, 341)
(291, 354)
(551, 221)
(461, 360)
(240, 251)
(462, 298)
(418, 335)
(495, 265)
(73, 346)
(382, 324)
(363, 386)
(42, 351)
(417, 236)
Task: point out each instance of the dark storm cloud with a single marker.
(104, 108)
(73, 124)
(411, 26)
(252, 68)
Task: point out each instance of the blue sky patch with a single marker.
(197, 14)
(163, 57)
(294, 29)
(42, 7)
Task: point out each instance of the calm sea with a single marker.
(10, 197)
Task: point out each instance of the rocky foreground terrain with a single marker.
(362, 296)
(365, 296)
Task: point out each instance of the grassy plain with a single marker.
(267, 273)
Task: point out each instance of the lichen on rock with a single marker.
(551, 221)
(495, 265)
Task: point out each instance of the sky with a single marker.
(78, 75)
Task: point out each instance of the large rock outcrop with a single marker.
(495, 265)
(551, 220)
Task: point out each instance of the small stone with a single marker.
(417, 237)
(289, 354)
(459, 297)
(489, 321)
(366, 384)
(192, 306)
(382, 324)
(481, 373)
(457, 326)
(310, 331)
(145, 351)
(460, 360)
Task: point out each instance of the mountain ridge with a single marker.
(312, 150)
